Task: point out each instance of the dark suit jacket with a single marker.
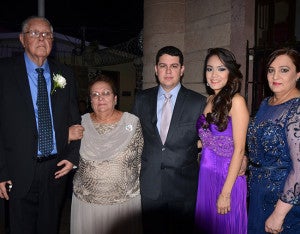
(170, 170)
(18, 129)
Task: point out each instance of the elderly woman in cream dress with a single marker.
(106, 194)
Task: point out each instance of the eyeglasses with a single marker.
(97, 95)
(37, 34)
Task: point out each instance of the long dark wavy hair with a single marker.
(222, 102)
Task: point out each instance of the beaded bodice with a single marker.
(221, 143)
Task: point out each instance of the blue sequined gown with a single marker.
(274, 152)
(217, 152)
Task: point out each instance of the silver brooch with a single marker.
(128, 127)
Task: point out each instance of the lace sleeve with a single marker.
(139, 143)
(291, 192)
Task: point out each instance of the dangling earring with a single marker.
(207, 84)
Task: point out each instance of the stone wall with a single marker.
(195, 26)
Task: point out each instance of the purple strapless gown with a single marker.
(216, 153)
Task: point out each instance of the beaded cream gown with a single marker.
(106, 193)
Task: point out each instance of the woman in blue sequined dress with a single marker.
(274, 150)
(221, 198)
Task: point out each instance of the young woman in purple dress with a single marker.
(221, 199)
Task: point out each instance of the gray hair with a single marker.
(24, 25)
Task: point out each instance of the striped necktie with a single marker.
(166, 115)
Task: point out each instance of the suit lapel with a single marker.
(153, 106)
(54, 97)
(177, 112)
(54, 69)
(20, 75)
(153, 111)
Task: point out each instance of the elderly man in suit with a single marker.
(38, 176)
(169, 170)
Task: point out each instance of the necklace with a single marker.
(288, 96)
(105, 119)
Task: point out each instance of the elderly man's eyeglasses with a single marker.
(37, 34)
(97, 95)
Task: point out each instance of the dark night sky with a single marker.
(111, 23)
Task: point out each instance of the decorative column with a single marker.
(138, 65)
(164, 24)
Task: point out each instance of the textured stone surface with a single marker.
(194, 26)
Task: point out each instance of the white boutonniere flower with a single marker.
(129, 127)
(59, 82)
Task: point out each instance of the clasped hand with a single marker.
(75, 132)
(274, 224)
(3, 190)
(223, 204)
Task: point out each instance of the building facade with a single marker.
(249, 28)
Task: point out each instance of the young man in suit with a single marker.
(38, 179)
(169, 170)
